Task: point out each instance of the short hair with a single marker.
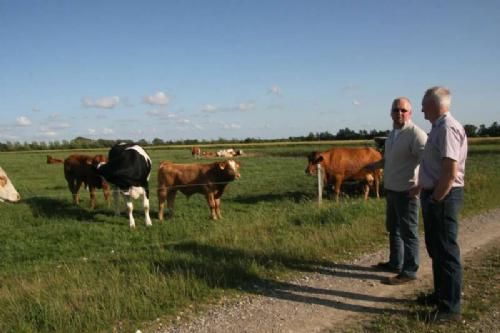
(396, 100)
(439, 95)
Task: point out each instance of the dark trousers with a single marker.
(441, 232)
(402, 225)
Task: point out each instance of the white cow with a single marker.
(7, 190)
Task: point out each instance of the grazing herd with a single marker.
(127, 169)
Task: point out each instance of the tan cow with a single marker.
(52, 160)
(78, 170)
(196, 152)
(341, 164)
(209, 179)
(7, 190)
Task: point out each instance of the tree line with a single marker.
(343, 134)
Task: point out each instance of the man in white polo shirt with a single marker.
(402, 154)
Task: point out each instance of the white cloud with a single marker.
(107, 131)
(35, 109)
(356, 103)
(23, 121)
(208, 108)
(243, 107)
(55, 126)
(160, 98)
(183, 121)
(232, 126)
(48, 133)
(160, 114)
(91, 131)
(275, 90)
(101, 103)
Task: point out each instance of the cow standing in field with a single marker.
(78, 170)
(128, 169)
(340, 164)
(7, 190)
(52, 160)
(196, 152)
(208, 179)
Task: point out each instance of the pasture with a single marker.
(67, 268)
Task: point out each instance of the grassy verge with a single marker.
(480, 304)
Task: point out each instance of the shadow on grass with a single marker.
(294, 196)
(62, 209)
(235, 269)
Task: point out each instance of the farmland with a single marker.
(70, 269)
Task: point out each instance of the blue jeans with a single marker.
(402, 225)
(441, 232)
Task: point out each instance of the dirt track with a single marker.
(332, 296)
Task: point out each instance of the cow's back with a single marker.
(177, 174)
(349, 161)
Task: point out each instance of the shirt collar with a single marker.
(440, 120)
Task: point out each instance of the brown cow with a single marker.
(196, 152)
(340, 164)
(78, 170)
(51, 160)
(210, 179)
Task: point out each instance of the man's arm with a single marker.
(445, 182)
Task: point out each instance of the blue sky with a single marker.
(236, 69)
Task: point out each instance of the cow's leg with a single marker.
(377, 186)
(145, 203)
(338, 183)
(74, 187)
(92, 197)
(170, 201)
(162, 196)
(105, 191)
(130, 211)
(217, 204)
(217, 208)
(211, 204)
(366, 190)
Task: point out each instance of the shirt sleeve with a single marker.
(450, 145)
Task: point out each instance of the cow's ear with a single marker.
(222, 165)
(3, 181)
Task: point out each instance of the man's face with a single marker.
(400, 113)
(429, 108)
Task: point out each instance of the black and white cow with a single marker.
(128, 169)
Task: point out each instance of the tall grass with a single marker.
(65, 268)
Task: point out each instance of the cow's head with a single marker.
(231, 168)
(7, 190)
(314, 159)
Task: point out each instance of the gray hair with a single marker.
(439, 95)
(402, 98)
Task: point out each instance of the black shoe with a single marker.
(427, 299)
(398, 279)
(386, 267)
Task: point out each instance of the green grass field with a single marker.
(65, 268)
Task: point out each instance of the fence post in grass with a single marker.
(320, 183)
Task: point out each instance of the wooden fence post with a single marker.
(320, 183)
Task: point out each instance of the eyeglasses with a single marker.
(399, 110)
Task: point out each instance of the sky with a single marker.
(205, 70)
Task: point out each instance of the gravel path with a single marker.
(331, 296)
